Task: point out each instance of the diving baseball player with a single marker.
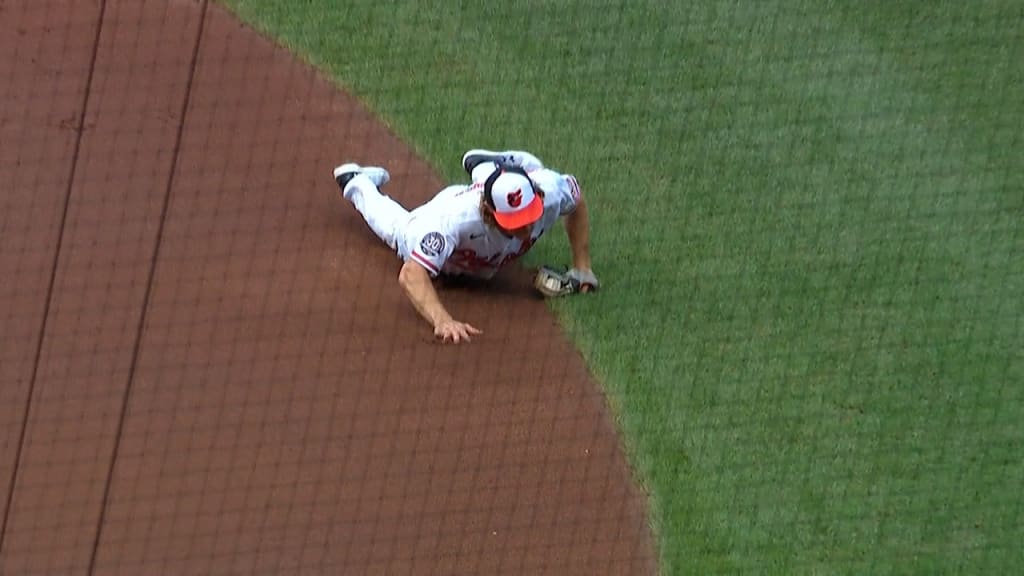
(472, 229)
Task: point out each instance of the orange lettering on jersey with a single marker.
(470, 261)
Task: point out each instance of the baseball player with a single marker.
(472, 229)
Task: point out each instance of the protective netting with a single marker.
(805, 357)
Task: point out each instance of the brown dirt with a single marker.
(207, 366)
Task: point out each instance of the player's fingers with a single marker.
(457, 333)
(451, 335)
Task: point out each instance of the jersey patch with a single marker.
(432, 244)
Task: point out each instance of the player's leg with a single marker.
(480, 163)
(361, 186)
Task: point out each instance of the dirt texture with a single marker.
(207, 365)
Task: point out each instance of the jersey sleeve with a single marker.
(559, 188)
(571, 195)
(430, 246)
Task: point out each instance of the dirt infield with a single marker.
(207, 366)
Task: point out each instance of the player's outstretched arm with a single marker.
(577, 227)
(415, 280)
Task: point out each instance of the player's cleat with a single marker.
(346, 172)
(474, 158)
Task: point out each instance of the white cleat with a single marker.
(346, 172)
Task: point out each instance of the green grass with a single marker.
(808, 220)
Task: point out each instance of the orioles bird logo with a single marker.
(515, 198)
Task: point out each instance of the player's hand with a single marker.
(585, 276)
(455, 332)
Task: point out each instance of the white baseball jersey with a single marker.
(447, 235)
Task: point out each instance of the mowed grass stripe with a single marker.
(807, 218)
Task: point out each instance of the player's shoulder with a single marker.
(555, 183)
(548, 178)
(467, 222)
(459, 216)
(544, 175)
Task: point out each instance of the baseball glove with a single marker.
(554, 282)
